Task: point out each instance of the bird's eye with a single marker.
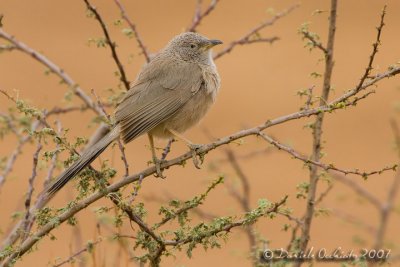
(193, 46)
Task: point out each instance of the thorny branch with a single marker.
(244, 200)
(167, 149)
(134, 30)
(54, 68)
(251, 36)
(387, 207)
(319, 164)
(314, 41)
(53, 163)
(358, 189)
(123, 157)
(110, 43)
(13, 157)
(199, 16)
(88, 247)
(374, 49)
(30, 189)
(317, 132)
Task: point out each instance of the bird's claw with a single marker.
(193, 148)
(157, 163)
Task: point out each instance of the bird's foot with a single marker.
(157, 162)
(193, 149)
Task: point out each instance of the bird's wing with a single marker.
(161, 89)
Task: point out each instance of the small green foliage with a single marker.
(102, 210)
(72, 221)
(315, 75)
(302, 190)
(99, 42)
(47, 72)
(28, 110)
(321, 212)
(140, 210)
(117, 22)
(115, 96)
(68, 96)
(286, 227)
(128, 32)
(89, 13)
(90, 246)
(310, 125)
(317, 12)
(118, 222)
(340, 105)
(178, 209)
(17, 215)
(5, 252)
(79, 141)
(3, 161)
(45, 215)
(271, 11)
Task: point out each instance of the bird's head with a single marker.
(192, 46)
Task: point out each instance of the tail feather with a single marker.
(88, 156)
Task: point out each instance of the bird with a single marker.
(171, 94)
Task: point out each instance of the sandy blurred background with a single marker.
(259, 82)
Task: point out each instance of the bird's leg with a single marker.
(193, 147)
(156, 161)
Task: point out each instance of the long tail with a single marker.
(88, 156)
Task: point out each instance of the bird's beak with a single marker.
(215, 42)
(212, 43)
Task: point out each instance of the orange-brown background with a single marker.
(259, 82)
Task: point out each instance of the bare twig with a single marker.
(361, 191)
(247, 38)
(134, 30)
(88, 247)
(167, 149)
(123, 157)
(249, 155)
(243, 200)
(317, 131)
(374, 49)
(349, 218)
(110, 43)
(58, 110)
(199, 16)
(11, 124)
(387, 207)
(54, 68)
(15, 153)
(30, 191)
(53, 163)
(319, 164)
(323, 194)
(100, 104)
(307, 35)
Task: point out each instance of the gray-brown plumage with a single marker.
(171, 94)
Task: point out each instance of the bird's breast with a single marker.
(194, 109)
